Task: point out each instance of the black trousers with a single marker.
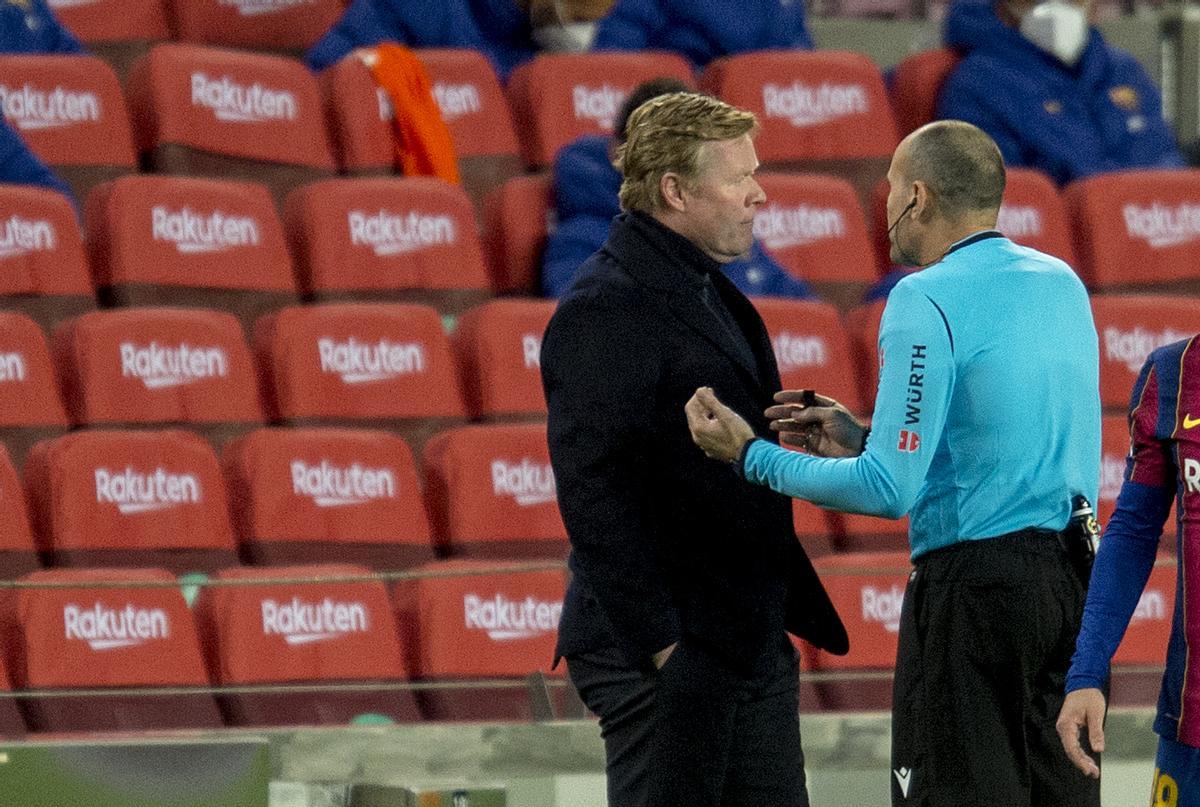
(694, 734)
(987, 632)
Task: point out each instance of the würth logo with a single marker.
(507, 620)
(20, 236)
(457, 100)
(105, 628)
(799, 351)
(360, 363)
(909, 441)
(804, 105)
(159, 366)
(389, 233)
(300, 622)
(786, 227)
(599, 104)
(1161, 226)
(256, 8)
(231, 102)
(31, 108)
(133, 492)
(528, 482)
(1019, 221)
(330, 485)
(193, 232)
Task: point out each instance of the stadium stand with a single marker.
(1138, 230)
(821, 111)
(813, 528)
(303, 633)
(30, 406)
(862, 323)
(129, 498)
(229, 115)
(858, 533)
(322, 495)
(478, 625)
(1129, 327)
(498, 345)
(472, 104)
(43, 267)
(172, 241)
(491, 493)
(916, 82)
(1114, 450)
(18, 553)
(1137, 664)
(117, 31)
(96, 635)
(558, 97)
(517, 217)
(159, 366)
(360, 364)
(12, 725)
(262, 25)
(814, 227)
(72, 114)
(411, 240)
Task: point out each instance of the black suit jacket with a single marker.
(666, 543)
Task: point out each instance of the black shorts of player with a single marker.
(987, 632)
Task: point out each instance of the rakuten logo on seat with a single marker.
(457, 100)
(1151, 607)
(599, 104)
(193, 232)
(1112, 476)
(236, 103)
(133, 492)
(105, 628)
(804, 105)
(12, 367)
(529, 482)
(1017, 221)
(883, 606)
(360, 363)
(531, 351)
(20, 236)
(300, 622)
(57, 4)
(780, 227)
(31, 108)
(329, 485)
(1161, 226)
(1132, 347)
(256, 8)
(507, 620)
(158, 366)
(798, 352)
(389, 233)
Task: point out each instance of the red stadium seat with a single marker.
(320, 633)
(30, 406)
(360, 364)
(194, 242)
(18, 553)
(1114, 450)
(559, 97)
(1137, 664)
(118, 31)
(862, 323)
(412, 240)
(821, 111)
(71, 112)
(477, 625)
(159, 366)
(491, 493)
(811, 348)
(499, 350)
(101, 636)
(130, 498)
(516, 220)
(1138, 230)
(43, 267)
(289, 26)
(12, 725)
(320, 495)
(813, 528)
(1129, 328)
(230, 115)
(859, 533)
(813, 225)
(916, 84)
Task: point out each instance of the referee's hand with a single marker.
(1083, 708)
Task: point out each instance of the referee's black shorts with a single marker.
(986, 636)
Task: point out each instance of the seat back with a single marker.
(31, 408)
(117, 31)
(517, 217)
(499, 345)
(255, 24)
(916, 84)
(1130, 326)
(811, 348)
(18, 553)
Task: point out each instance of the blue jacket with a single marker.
(1102, 115)
(30, 27)
(702, 30)
(497, 28)
(586, 187)
(20, 166)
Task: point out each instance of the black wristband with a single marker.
(739, 465)
(867, 433)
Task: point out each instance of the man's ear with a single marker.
(671, 188)
(923, 198)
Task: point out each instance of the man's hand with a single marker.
(823, 428)
(1083, 708)
(660, 658)
(719, 431)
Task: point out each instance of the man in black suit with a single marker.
(685, 578)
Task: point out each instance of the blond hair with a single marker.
(664, 135)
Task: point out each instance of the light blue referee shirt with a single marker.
(987, 417)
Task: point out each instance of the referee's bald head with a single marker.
(959, 163)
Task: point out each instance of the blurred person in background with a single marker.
(28, 26)
(20, 166)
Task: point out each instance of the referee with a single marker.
(986, 424)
